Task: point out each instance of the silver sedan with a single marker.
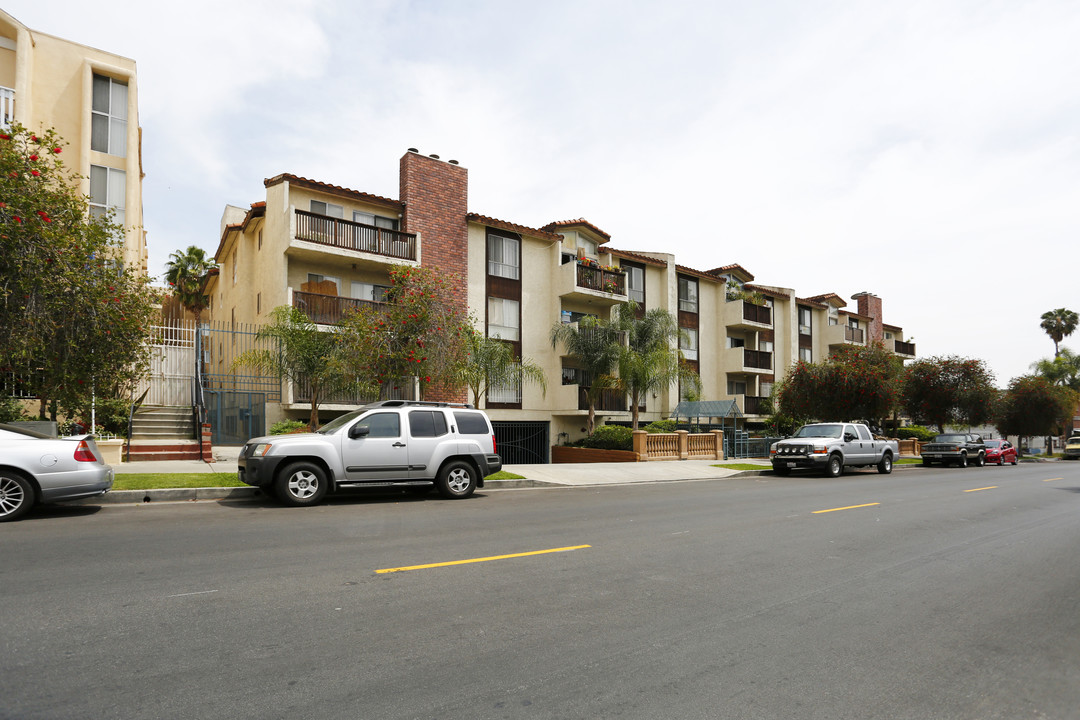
(36, 468)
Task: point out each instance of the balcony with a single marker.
(367, 244)
(7, 107)
(576, 281)
(744, 360)
(905, 349)
(753, 405)
(351, 399)
(844, 335)
(327, 309)
(746, 316)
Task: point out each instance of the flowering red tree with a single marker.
(953, 390)
(72, 318)
(1033, 406)
(418, 332)
(856, 383)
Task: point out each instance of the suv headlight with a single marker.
(260, 449)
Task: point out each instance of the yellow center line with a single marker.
(992, 487)
(1052, 479)
(849, 507)
(482, 559)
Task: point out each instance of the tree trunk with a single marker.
(634, 410)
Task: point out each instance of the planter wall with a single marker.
(563, 454)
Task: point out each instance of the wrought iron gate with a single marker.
(523, 443)
(235, 416)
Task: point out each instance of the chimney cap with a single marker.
(413, 150)
(433, 156)
(453, 162)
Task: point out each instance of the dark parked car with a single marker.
(999, 452)
(36, 468)
(959, 448)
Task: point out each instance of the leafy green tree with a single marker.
(1063, 369)
(650, 361)
(855, 383)
(490, 362)
(186, 274)
(949, 390)
(594, 344)
(73, 320)
(299, 352)
(418, 332)
(1059, 324)
(1033, 406)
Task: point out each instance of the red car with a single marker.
(1000, 452)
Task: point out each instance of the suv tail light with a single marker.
(83, 453)
(494, 449)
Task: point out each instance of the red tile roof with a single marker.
(630, 255)
(828, 296)
(333, 190)
(739, 269)
(512, 227)
(580, 221)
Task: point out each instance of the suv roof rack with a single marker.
(423, 403)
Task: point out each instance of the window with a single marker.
(806, 355)
(805, 321)
(766, 389)
(888, 336)
(314, 279)
(260, 239)
(504, 257)
(688, 343)
(765, 346)
(504, 320)
(258, 303)
(470, 423)
(864, 434)
(834, 316)
(635, 283)
(233, 261)
(736, 387)
(853, 323)
(583, 245)
(384, 425)
(329, 210)
(427, 423)
(376, 220)
(108, 188)
(735, 342)
(108, 118)
(369, 291)
(688, 295)
(506, 393)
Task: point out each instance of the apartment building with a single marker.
(90, 97)
(325, 248)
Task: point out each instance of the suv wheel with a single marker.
(981, 460)
(16, 495)
(301, 483)
(962, 462)
(456, 480)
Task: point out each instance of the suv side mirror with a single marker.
(850, 437)
(358, 431)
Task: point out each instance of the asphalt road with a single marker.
(940, 593)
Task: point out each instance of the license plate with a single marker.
(791, 464)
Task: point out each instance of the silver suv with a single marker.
(389, 443)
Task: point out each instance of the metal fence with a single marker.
(522, 442)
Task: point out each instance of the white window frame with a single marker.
(635, 291)
(504, 256)
(806, 354)
(765, 346)
(504, 319)
(115, 188)
(368, 291)
(109, 110)
(328, 209)
(734, 385)
(688, 301)
(806, 321)
(688, 343)
(379, 221)
(317, 278)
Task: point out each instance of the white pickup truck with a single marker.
(831, 447)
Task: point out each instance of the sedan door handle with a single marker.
(398, 444)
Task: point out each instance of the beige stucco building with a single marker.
(90, 97)
(324, 248)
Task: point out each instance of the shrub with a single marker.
(918, 432)
(286, 427)
(660, 426)
(610, 437)
(10, 410)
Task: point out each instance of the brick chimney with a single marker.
(435, 194)
(870, 306)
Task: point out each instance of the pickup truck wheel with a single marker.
(301, 484)
(835, 467)
(456, 480)
(962, 462)
(980, 461)
(885, 466)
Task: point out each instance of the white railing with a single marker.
(7, 107)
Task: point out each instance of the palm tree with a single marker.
(1059, 324)
(186, 273)
(1062, 369)
(301, 353)
(491, 363)
(650, 361)
(594, 344)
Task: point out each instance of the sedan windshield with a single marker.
(993, 443)
(821, 431)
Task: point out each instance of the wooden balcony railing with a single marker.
(904, 348)
(610, 400)
(758, 359)
(756, 313)
(754, 405)
(355, 236)
(853, 334)
(603, 280)
(327, 309)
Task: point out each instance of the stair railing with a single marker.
(131, 419)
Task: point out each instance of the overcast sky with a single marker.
(927, 152)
